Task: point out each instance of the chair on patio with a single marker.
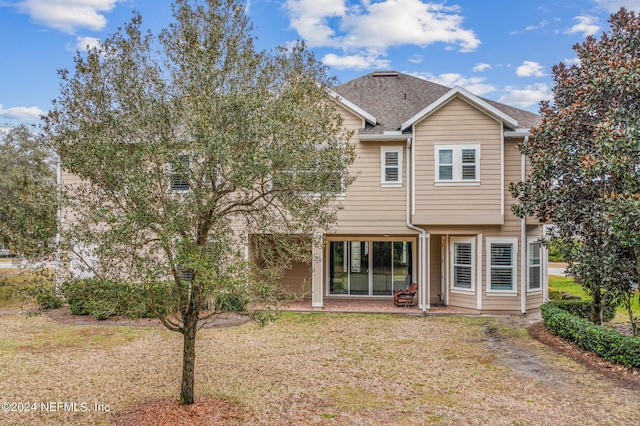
(406, 297)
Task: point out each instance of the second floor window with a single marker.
(457, 163)
(391, 166)
(179, 174)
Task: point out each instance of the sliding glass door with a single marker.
(369, 268)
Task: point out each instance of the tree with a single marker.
(585, 159)
(186, 144)
(28, 194)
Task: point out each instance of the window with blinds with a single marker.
(391, 166)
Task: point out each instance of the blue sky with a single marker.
(498, 49)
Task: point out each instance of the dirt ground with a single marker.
(212, 411)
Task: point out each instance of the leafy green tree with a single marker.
(585, 159)
(187, 143)
(28, 194)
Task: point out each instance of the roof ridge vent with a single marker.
(386, 74)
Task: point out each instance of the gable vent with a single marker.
(385, 74)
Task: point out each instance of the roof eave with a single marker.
(354, 108)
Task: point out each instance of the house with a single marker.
(431, 201)
(430, 204)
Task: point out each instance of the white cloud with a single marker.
(479, 67)
(356, 62)
(526, 97)
(614, 5)
(68, 15)
(82, 42)
(375, 27)
(21, 113)
(530, 69)
(475, 85)
(587, 25)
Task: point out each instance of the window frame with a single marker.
(530, 242)
(457, 165)
(452, 265)
(294, 172)
(383, 167)
(513, 242)
(173, 174)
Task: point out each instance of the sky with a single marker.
(498, 49)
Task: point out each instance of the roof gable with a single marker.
(394, 99)
(470, 97)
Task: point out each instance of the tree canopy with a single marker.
(585, 162)
(185, 144)
(28, 197)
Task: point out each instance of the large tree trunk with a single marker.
(190, 321)
(188, 364)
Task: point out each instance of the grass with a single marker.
(310, 369)
(13, 283)
(568, 285)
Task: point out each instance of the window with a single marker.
(179, 174)
(462, 264)
(535, 269)
(320, 174)
(391, 166)
(457, 163)
(501, 271)
(369, 268)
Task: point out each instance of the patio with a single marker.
(375, 306)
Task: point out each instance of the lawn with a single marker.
(568, 285)
(342, 369)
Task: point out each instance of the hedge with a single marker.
(103, 298)
(583, 308)
(607, 343)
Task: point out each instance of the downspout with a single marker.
(424, 302)
(523, 243)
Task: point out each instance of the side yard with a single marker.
(306, 369)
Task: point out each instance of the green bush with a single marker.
(103, 298)
(49, 300)
(605, 342)
(582, 308)
(231, 302)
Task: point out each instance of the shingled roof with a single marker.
(393, 98)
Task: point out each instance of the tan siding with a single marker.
(458, 123)
(297, 280)
(369, 208)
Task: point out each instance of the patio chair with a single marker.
(406, 298)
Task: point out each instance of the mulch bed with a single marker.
(622, 376)
(204, 412)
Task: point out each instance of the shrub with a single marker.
(49, 300)
(103, 298)
(582, 308)
(607, 343)
(230, 302)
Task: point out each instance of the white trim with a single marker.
(514, 265)
(353, 107)
(533, 240)
(456, 164)
(383, 166)
(459, 91)
(452, 242)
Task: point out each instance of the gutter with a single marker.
(424, 299)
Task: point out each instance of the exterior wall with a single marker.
(511, 229)
(369, 208)
(458, 123)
